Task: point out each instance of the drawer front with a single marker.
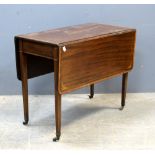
(38, 49)
(91, 61)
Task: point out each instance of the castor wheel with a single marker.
(55, 139)
(25, 122)
(121, 108)
(91, 96)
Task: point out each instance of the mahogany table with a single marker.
(79, 56)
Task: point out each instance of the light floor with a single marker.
(86, 124)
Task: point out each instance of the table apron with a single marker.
(39, 49)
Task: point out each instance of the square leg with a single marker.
(91, 91)
(57, 103)
(124, 88)
(23, 68)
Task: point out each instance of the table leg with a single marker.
(23, 69)
(91, 91)
(57, 104)
(124, 88)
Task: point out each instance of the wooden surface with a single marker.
(89, 62)
(74, 33)
(24, 71)
(93, 52)
(79, 56)
(38, 49)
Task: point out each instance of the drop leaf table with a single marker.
(79, 56)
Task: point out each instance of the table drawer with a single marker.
(38, 49)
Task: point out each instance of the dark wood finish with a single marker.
(23, 64)
(124, 88)
(79, 56)
(73, 34)
(88, 62)
(38, 49)
(57, 100)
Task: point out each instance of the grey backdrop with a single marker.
(19, 19)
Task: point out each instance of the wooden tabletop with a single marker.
(74, 33)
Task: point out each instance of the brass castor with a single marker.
(25, 122)
(121, 108)
(91, 96)
(55, 139)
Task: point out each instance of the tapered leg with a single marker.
(124, 88)
(57, 104)
(57, 116)
(23, 69)
(91, 91)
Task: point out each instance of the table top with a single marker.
(74, 33)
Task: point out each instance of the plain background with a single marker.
(20, 19)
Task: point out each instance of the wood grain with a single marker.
(24, 73)
(39, 49)
(74, 33)
(92, 61)
(79, 56)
